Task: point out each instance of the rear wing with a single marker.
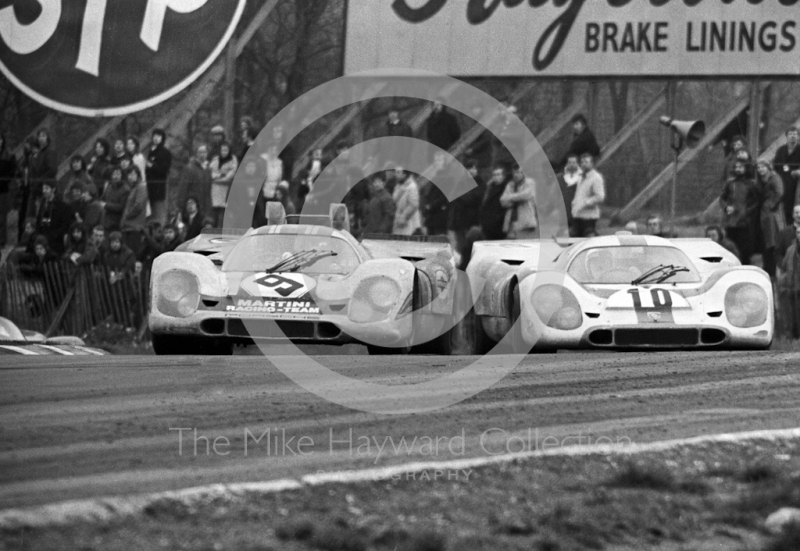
(408, 247)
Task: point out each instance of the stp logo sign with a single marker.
(111, 57)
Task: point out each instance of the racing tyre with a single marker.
(518, 344)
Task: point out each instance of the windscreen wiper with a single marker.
(675, 270)
(299, 260)
(650, 273)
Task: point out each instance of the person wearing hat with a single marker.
(159, 161)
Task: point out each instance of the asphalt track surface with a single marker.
(83, 427)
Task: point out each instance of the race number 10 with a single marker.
(656, 299)
(27, 38)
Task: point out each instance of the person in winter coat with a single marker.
(381, 209)
(789, 285)
(195, 180)
(99, 164)
(77, 175)
(8, 172)
(32, 264)
(568, 183)
(787, 165)
(740, 204)
(137, 158)
(223, 169)
(119, 152)
(493, 215)
(518, 200)
(590, 193)
(42, 166)
(134, 217)
(76, 242)
(159, 161)
(192, 218)
(53, 218)
(465, 210)
(119, 258)
(115, 198)
(442, 127)
(407, 219)
(583, 140)
(433, 202)
(171, 238)
(772, 221)
(397, 127)
(95, 249)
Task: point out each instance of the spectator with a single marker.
(395, 127)
(715, 234)
(76, 243)
(119, 151)
(770, 188)
(74, 200)
(407, 220)
(655, 227)
(442, 128)
(248, 139)
(99, 165)
(119, 258)
(433, 202)
(92, 209)
(43, 166)
(583, 140)
(381, 210)
(152, 244)
(632, 227)
(159, 161)
(789, 284)
(95, 248)
(53, 218)
(195, 180)
(465, 210)
(115, 198)
(787, 165)
(511, 133)
(568, 182)
(737, 144)
(217, 139)
(493, 215)
(223, 169)
(589, 195)
(8, 171)
(740, 203)
(32, 265)
(134, 217)
(26, 239)
(308, 176)
(786, 236)
(208, 223)
(282, 196)
(137, 158)
(192, 218)
(518, 200)
(27, 206)
(77, 175)
(481, 149)
(171, 238)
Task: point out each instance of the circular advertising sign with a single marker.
(111, 57)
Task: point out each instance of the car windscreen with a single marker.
(621, 265)
(259, 252)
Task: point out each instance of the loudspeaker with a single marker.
(690, 131)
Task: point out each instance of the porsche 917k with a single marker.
(620, 292)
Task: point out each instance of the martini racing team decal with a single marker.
(274, 306)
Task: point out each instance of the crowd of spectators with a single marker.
(112, 206)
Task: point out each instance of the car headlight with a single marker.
(178, 293)
(746, 305)
(557, 307)
(373, 299)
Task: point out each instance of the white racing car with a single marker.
(620, 292)
(307, 283)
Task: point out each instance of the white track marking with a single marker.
(57, 350)
(104, 509)
(19, 349)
